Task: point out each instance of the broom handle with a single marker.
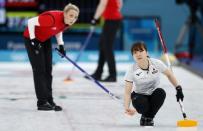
(182, 109)
(90, 77)
(168, 61)
(165, 50)
(83, 48)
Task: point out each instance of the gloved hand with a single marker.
(94, 22)
(179, 93)
(36, 45)
(62, 50)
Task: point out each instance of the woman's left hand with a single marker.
(130, 112)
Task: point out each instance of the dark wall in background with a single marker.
(172, 17)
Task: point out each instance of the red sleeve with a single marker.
(46, 20)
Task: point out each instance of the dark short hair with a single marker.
(138, 46)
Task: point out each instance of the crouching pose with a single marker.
(144, 78)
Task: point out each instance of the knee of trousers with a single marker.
(159, 92)
(39, 72)
(141, 105)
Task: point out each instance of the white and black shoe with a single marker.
(146, 121)
(142, 121)
(149, 122)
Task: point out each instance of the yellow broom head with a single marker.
(187, 123)
(68, 80)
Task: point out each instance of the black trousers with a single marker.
(42, 69)
(192, 40)
(106, 43)
(148, 105)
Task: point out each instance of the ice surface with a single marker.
(86, 106)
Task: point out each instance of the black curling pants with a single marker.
(106, 53)
(42, 69)
(148, 105)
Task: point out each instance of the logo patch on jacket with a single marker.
(138, 74)
(154, 71)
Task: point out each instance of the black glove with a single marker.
(179, 93)
(62, 50)
(36, 45)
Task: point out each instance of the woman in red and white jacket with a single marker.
(37, 38)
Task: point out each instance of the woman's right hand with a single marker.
(130, 112)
